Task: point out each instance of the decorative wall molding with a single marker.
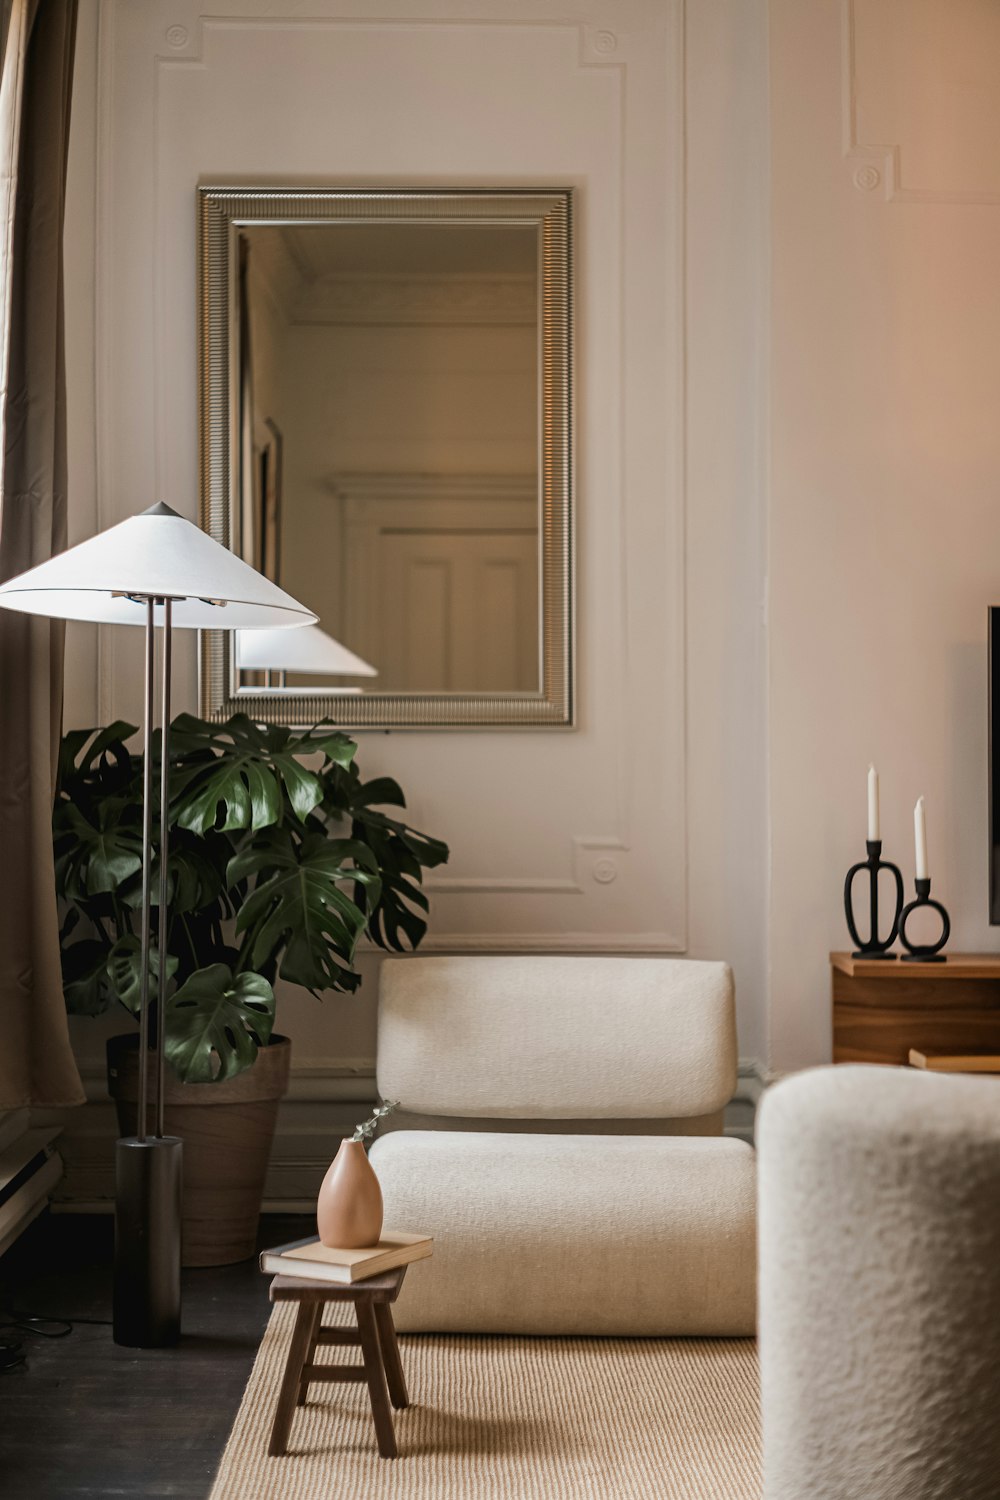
(880, 164)
(870, 163)
(621, 65)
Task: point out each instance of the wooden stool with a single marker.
(376, 1334)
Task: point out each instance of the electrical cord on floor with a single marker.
(12, 1352)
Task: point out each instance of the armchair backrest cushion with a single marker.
(557, 1038)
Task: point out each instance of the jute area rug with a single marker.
(513, 1419)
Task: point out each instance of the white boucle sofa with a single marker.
(880, 1285)
(576, 1180)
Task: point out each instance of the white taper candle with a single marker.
(873, 818)
(920, 839)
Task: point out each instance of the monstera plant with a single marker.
(281, 859)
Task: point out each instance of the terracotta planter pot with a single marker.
(227, 1129)
(349, 1206)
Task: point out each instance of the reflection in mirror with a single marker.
(399, 441)
(389, 406)
(266, 653)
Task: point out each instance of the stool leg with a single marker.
(310, 1353)
(371, 1349)
(390, 1356)
(301, 1335)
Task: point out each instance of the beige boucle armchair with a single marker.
(576, 1179)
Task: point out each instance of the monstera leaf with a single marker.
(96, 857)
(297, 903)
(395, 914)
(94, 976)
(85, 978)
(89, 754)
(241, 769)
(124, 967)
(197, 872)
(215, 1023)
(320, 740)
(197, 875)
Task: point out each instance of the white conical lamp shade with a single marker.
(308, 650)
(156, 554)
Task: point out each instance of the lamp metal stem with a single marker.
(161, 981)
(148, 1172)
(147, 854)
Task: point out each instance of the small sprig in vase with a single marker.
(349, 1207)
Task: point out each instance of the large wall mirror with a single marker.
(386, 433)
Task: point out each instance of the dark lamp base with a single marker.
(147, 1286)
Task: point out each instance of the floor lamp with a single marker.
(155, 569)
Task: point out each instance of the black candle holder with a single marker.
(873, 946)
(926, 953)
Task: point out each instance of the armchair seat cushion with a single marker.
(574, 1234)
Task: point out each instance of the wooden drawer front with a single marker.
(881, 1010)
(885, 1035)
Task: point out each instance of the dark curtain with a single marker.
(36, 1060)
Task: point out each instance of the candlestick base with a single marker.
(924, 953)
(873, 954)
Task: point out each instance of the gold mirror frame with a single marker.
(222, 213)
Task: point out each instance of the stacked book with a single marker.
(955, 1062)
(29, 1169)
(311, 1260)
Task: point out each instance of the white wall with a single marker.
(661, 786)
(885, 464)
(880, 537)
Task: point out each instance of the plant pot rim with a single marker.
(266, 1078)
(129, 1041)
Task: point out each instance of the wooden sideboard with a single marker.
(883, 1008)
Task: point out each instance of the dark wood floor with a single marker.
(84, 1418)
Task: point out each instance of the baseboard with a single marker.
(325, 1101)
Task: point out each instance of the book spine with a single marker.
(303, 1270)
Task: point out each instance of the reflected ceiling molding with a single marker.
(428, 301)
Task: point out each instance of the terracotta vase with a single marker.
(349, 1207)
